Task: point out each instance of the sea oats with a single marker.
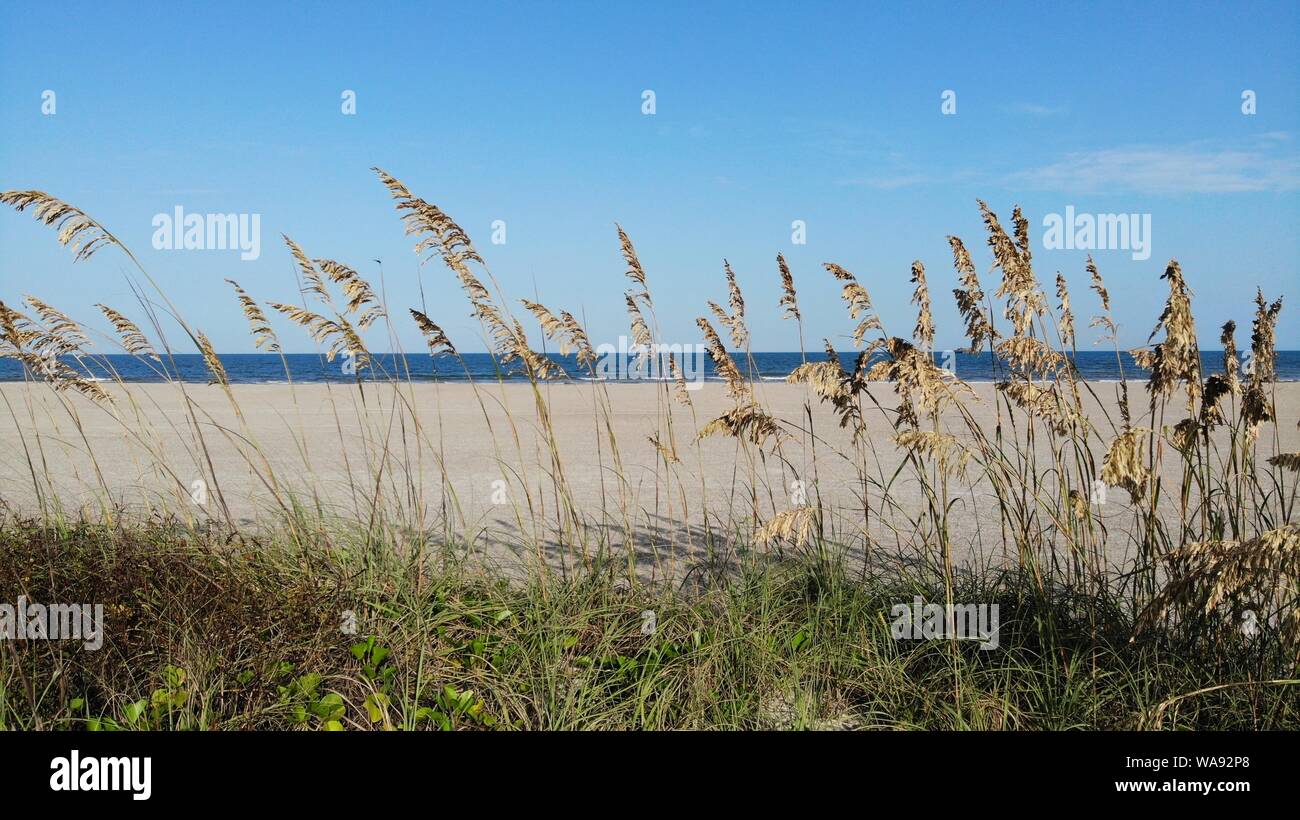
(1112, 335)
(916, 378)
(360, 295)
(210, 358)
(1022, 234)
(858, 301)
(348, 341)
(746, 421)
(538, 366)
(340, 336)
(315, 284)
(965, 267)
(1256, 407)
(680, 392)
(16, 331)
(718, 312)
(261, 329)
(833, 384)
(1045, 403)
(551, 324)
(1019, 286)
(797, 525)
(1287, 461)
(1216, 387)
(924, 330)
(504, 343)
(1263, 340)
(640, 330)
(337, 272)
(1066, 321)
(1177, 359)
(586, 353)
(634, 270)
(358, 292)
(1228, 338)
(87, 388)
(1079, 504)
(734, 321)
(1096, 283)
(827, 379)
(39, 350)
(564, 329)
(664, 450)
(1258, 572)
(1185, 435)
(63, 334)
(299, 315)
(789, 303)
(739, 334)
(970, 298)
(1122, 465)
(839, 272)
(133, 340)
(736, 387)
(944, 448)
(77, 231)
(433, 335)
(439, 234)
(1032, 357)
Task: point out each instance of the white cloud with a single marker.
(891, 183)
(1166, 170)
(1037, 110)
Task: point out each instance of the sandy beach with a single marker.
(475, 461)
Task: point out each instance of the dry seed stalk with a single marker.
(970, 298)
(797, 525)
(77, 231)
(261, 329)
(133, 340)
(789, 303)
(924, 330)
(315, 284)
(433, 335)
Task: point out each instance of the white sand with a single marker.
(326, 444)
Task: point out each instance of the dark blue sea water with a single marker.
(310, 367)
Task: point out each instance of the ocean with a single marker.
(270, 368)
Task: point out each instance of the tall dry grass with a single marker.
(1214, 540)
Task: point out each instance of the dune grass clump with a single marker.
(209, 634)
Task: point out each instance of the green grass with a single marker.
(206, 632)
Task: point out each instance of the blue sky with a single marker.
(766, 113)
